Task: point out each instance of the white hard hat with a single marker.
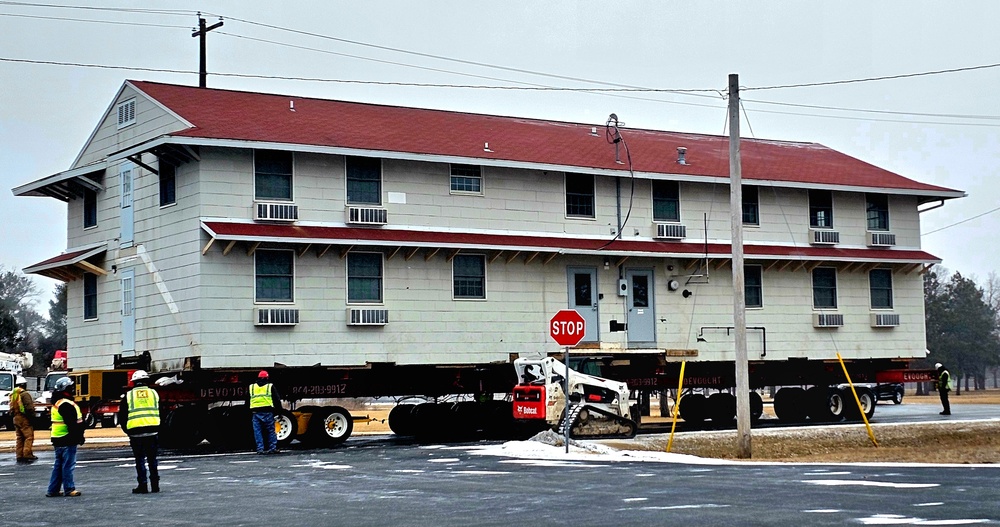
(139, 375)
(20, 380)
(938, 365)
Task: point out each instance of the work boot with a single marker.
(141, 489)
(155, 485)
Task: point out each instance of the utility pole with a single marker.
(202, 31)
(739, 300)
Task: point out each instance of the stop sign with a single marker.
(567, 327)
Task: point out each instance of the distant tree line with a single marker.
(22, 328)
(963, 327)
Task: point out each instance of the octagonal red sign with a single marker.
(567, 327)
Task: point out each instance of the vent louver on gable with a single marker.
(126, 113)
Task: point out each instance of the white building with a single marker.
(229, 229)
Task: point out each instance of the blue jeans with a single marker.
(62, 470)
(263, 431)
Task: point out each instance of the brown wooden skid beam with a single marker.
(229, 247)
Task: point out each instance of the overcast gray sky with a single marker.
(942, 129)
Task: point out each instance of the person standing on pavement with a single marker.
(66, 434)
(22, 408)
(943, 385)
(264, 401)
(139, 416)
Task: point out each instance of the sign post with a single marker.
(567, 328)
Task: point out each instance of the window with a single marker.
(364, 180)
(272, 170)
(467, 178)
(880, 285)
(821, 209)
(126, 113)
(580, 195)
(751, 206)
(274, 275)
(364, 278)
(666, 201)
(753, 286)
(89, 296)
(469, 276)
(878, 212)
(89, 208)
(824, 288)
(168, 189)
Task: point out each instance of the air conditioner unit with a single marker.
(367, 316)
(828, 320)
(275, 212)
(670, 231)
(266, 316)
(367, 215)
(881, 239)
(824, 237)
(885, 320)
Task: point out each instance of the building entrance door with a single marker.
(583, 298)
(641, 310)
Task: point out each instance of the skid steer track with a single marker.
(591, 422)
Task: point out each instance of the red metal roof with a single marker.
(386, 236)
(247, 116)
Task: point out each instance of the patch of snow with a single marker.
(446, 460)
(866, 483)
(896, 519)
(822, 511)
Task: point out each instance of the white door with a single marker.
(128, 310)
(641, 312)
(127, 215)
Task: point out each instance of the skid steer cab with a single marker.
(598, 407)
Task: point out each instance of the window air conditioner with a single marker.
(266, 316)
(367, 316)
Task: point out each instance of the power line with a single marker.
(68, 19)
(863, 110)
(871, 79)
(173, 12)
(991, 211)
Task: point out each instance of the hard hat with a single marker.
(63, 384)
(139, 375)
(262, 374)
(20, 380)
(938, 365)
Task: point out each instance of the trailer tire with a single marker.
(825, 404)
(721, 407)
(285, 427)
(466, 417)
(90, 420)
(867, 399)
(498, 420)
(756, 406)
(183, 427)
(330, 426)
(789, 405)
(401, 419)
(693, 407)
(109, 421)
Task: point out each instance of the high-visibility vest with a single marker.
(59, 428)
(15, 399)
(143, 407)
(260, 396)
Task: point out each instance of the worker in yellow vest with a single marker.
(66, 434)
(139, 417)
(22, 408)
(264, 400)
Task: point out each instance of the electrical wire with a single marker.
(871, 79)
(614, 137)
(110, 22)
(966, 220)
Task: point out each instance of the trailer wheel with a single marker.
(330, 426)
(825, 404)
(465, 419)
(721, 407)
(867, 399)
(789, 405)
(182, 427)
(285, 426)
(90, 420)
(756, 406)
(693, 407)
(401, 419)
(109, 421)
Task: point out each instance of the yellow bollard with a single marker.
(871, 435)
(677, 406)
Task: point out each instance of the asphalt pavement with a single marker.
(382, 481)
